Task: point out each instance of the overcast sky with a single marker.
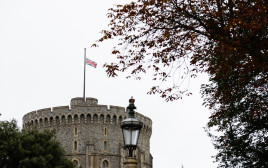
(41, 65)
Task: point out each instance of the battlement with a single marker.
(117, 109)
(79, 101)
(79, 107)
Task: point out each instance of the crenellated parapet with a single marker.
(80, 111)
(79, 101)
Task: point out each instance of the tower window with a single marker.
(76, 163)
(105, 145)
(75, 131)
(75, 146)
(105, 164)
(105, 131)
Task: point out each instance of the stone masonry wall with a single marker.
(91, 133)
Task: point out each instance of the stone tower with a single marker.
(90, 133)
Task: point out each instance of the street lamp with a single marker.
(131, 129)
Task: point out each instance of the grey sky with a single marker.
(41, 65)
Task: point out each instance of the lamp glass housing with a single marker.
(131, 136)
(131, 130)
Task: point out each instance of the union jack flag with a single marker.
(91, 63)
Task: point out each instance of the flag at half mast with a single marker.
(91, 63)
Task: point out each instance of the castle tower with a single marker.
(90, 133)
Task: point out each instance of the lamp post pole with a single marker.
(131, 162)
(131, 129)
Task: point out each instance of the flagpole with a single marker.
(84, 96)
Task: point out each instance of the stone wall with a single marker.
(91, 133)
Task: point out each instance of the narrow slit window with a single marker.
(75, 146)
(105, 145)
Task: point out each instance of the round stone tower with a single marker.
(90, 133)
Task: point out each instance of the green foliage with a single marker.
(30, 148)
(238, 101)
(228, 39)
(9, 144)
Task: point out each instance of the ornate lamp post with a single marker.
(131, 129)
